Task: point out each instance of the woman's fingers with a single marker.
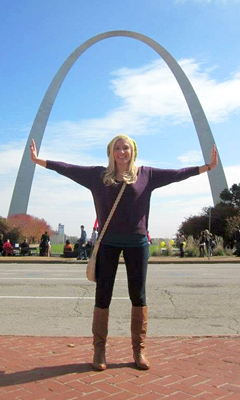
(33, 146)
(33, 150)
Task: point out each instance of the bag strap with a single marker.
(115, 204)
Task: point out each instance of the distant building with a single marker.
(59, 236)
(60, 229)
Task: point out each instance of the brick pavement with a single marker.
(59, 368)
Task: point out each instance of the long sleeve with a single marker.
(163, 177)
(85, 176)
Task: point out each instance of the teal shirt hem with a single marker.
(126, 240)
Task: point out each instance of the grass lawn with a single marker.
(57, 248)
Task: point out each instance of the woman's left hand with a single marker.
(213, 163)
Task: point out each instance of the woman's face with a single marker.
(122, 152)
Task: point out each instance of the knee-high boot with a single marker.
(138, 331)
(100, 331)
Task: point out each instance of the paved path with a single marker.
(57, 300)
(54, 368)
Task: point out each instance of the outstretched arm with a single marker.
(213, 163)
(34, 157)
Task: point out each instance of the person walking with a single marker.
(126, 232)
(82, 254)
(208, 242)
(182, 241)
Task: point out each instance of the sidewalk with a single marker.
(59, 368)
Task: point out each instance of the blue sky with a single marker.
(119, 85)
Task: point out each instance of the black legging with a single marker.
(136, 260)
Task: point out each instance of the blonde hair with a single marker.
(130, 176)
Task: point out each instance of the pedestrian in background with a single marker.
(182, 241)
(82, 254)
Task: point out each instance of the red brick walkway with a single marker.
(58, 368)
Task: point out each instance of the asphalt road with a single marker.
(57, 300)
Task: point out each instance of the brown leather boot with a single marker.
(138, 331)
(100, 331)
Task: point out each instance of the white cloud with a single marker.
(232, 175)
(151, 100)
(10, 156)
(166, 216)
(150, 90)
(153, 91)
(191, 158)
(61, 200)
(195, 186)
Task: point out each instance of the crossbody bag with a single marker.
(91, 266)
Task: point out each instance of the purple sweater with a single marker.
(131, 215)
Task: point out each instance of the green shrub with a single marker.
(166, 250)
(228, 251)
(155, 251)
(191, 248)
(218, 250)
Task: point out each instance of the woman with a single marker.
(126, 232)
(208, 242)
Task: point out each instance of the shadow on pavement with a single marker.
(38, 374)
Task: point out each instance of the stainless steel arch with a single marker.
(21, 193)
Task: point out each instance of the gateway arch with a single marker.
(21, 193)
